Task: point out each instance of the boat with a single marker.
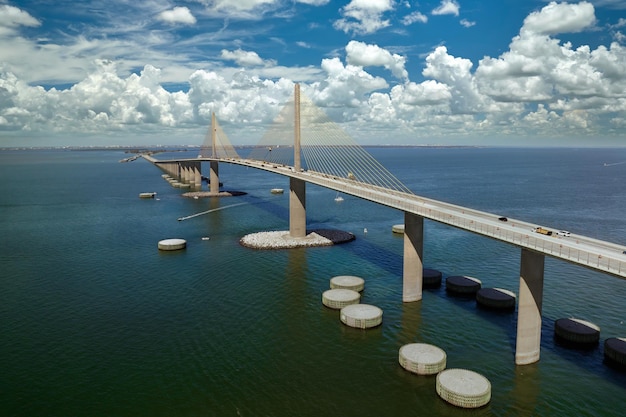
(147, 195)
(277, 191)
(338, 198)
(206, 238)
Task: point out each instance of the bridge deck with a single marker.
(581, 250)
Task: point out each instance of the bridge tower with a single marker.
(297, 187)
(214, 178)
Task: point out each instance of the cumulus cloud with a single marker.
(177, 15)
(344, 85)
(243, 58)
(447, 7)
(540, 85)
(560, 18)
(537, 68)
(364, 16)
(364, 55)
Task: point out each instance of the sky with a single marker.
(403, 72)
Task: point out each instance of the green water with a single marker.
(95, 321)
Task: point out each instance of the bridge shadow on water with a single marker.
(591, 358)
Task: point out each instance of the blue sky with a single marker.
(444, 72)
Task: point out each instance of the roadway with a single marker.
(581, 250)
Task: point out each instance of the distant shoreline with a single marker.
(187, 148)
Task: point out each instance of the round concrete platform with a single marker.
(361, 316)
(576, 331)
(463, 285)
(338, 298)
(422, 358)
(431, 278)
(496, 298)
(398, 228)
(347, 282)
(463, 388)
(615, 351)
(172, 244)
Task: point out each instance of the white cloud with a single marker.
(414, 17)
(537, 68)
(177, 15)
(11, 16)
(243, 58)
(344, 85)
(560, 18)
(540, 85)
(313, 2)
(466, 23)
(239, 4)
(455, 73)
(364, 16)
(447, 7)
(364, 55)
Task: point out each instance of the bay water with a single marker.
(96, 321)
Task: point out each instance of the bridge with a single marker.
(334, 161)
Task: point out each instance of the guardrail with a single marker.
(482, 223)
(605, 256)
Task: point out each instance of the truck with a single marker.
(542, 231)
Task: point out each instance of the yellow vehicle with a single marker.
(542, 231)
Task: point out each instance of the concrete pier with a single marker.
(412, 260)
(527, 350)
(214, 178)
(297, 208)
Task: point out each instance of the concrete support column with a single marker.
(297, 207)
(530, 302)
(214, 178)
(184, 172)
(197, 175)
(412, 261)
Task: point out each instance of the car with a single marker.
(503, 219)
(563, 233)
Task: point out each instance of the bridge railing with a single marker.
(477, 222)
(611, 260)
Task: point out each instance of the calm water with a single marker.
(95, 321)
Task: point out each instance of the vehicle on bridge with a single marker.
(542, 231)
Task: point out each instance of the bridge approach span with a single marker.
(581, 250)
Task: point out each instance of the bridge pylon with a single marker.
(214, 177)
(297, 187)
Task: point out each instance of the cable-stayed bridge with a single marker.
(306, 146)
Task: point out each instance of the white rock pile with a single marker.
(282, 240)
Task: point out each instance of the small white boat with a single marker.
(147, 195)
(338, 198)
(205, 238)
(277, 191)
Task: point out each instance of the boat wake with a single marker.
(209, 211)
(614, 163)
